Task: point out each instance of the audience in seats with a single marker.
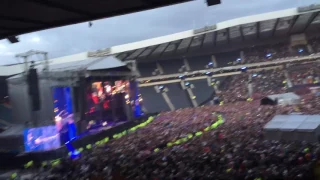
(308, 73)
(235, 88)
(268, 82)
(315, 44)
(258, 54)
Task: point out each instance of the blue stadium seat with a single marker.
(179, 97)
(152, 100)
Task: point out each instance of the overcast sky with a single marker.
(138, 26)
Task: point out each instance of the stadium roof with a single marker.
(20, 17)
(262, 26)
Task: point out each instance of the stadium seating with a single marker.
(153, 101)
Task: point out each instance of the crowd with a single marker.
(258, 54)
(235, 88)
(268, 82)
(308, 73)
(235, 150)
(314, 42)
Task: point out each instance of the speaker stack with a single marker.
(33, 89)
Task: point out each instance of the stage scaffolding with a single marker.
(74, 74)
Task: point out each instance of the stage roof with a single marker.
(257, 27)
(20, 17)
(89, 64)
(289, 95)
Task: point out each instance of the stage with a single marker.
(16, 160)
(76, 103)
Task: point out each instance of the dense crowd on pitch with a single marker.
(234, 150)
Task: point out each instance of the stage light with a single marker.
(208, 73)
(108, 88)
(126, 96)
(244, 69)
(104, 123)
(57, 118)
(161, 87)
(187, 84)
(300, 50)
(254, 75)
(239, 59)
(268, 55)
(210, 65)
(182, 77)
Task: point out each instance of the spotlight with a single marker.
(300, 50)
(187, 84)
(268, 55)
(239, 59)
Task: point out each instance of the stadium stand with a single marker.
(178, 96)
(199, 92)
(172, 66)
(147, 69)
(150, 97)
(199, 63)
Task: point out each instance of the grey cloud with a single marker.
(139, 26)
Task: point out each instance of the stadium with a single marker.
(235, 100)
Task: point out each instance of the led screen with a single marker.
(63, 110)
(41, 138)
(105, 101)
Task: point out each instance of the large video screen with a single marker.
(102, 101)
(63, 110)
(41, 138)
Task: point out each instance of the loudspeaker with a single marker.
(213, 2)
(33, 89)
(33, 82)
(35, 102)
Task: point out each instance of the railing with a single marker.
(237, 67)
